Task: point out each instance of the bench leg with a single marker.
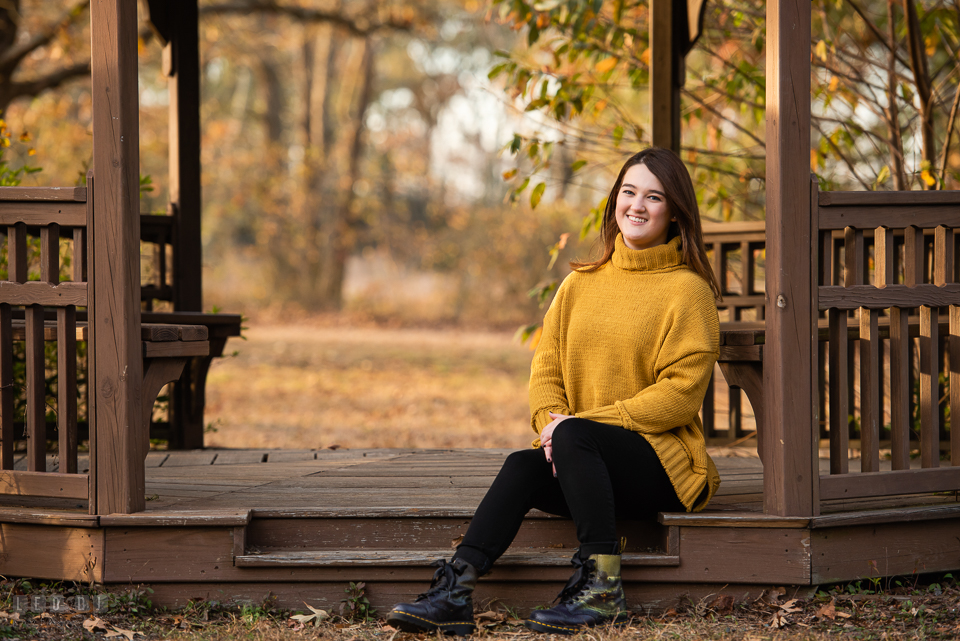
(748, 376)
(188, 399)
(157, 372)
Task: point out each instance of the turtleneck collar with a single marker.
(660, 257)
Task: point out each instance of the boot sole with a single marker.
(549, 628)
(412, 623)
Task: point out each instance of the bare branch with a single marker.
(703, 104)
(50, 81)
(358, 25)
(951, 124)
(876, 32)
(843, 157)
(12, 57)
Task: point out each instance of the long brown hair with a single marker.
(682, 201)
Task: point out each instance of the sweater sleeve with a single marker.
(547, 393)
(682, 373)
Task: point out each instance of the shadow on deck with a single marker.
(242, 525)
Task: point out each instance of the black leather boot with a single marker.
(593, 596)
(447, 606)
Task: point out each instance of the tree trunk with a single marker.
(921, 78)
(893, 112)
(345, 224)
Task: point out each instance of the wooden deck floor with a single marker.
(359, 480)
(300, 524)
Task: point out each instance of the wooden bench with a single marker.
(188, 397)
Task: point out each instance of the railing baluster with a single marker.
(17, 253)
(954, 385)
(929, 387)
(900, 391)
(839, 404)
(67, 388)
(869, 392)
(50, 253)
(913, 256)
(80, 255)
(36, 391)
(7, 436)
(853, 257)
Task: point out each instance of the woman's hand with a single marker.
(546, 437)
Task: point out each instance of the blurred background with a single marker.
(392, 190)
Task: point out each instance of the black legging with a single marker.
(603, 472)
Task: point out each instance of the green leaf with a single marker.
(537, 194)
(617, 135)
(577, 166)
(516, 143)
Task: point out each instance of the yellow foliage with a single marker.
(822, 50)
(535, 338)
(606, 64)
(928, 178)
(813, 160)
(834, 82)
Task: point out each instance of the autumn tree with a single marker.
(885, 78)
(42, 46)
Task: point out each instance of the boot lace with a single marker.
(443, 579)
(583, 570)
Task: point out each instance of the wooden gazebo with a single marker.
(237, 525)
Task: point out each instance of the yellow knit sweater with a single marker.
(633, 344)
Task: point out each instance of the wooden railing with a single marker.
(878, 242)
(736, 252)
(57, 220)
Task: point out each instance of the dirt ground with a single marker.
(909, 608)
(310, 386)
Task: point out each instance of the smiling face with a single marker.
(643, 215)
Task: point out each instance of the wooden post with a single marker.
(666, 63)
(121, 437)
(181, 58)
(790, 475)
(183, 73)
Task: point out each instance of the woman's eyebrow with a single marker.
(652, 191)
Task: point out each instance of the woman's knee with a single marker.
(522, 463)
(569, 435)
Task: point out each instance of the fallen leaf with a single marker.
(556, 546)
(316, 616)
(771, 596)
(490, 615)
(827, 611)
(779, 620)
(335, 446)
(96, 623)
(787, 608)
(723, 604)
(455, 542)
(120, 632)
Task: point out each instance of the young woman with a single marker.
(617, 381)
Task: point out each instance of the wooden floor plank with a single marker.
(190, 458)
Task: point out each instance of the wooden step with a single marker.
(403, 558)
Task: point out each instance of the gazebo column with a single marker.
(181, 58)
(120, 439)
(666, 65)
(182, 66)
(790, 474)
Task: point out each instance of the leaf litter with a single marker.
(844, 612)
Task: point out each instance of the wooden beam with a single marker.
(665, 69)
(791, 415)
(116, 266)
(182, 66)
